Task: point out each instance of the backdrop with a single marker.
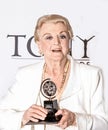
(18, 18)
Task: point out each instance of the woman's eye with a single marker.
(63, 36)
(48, 37)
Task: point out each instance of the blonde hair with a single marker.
(54, 18)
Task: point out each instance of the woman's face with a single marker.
(54, 41)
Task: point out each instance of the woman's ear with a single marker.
(39, 48)
(38, 43)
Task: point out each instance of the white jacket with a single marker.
(82, 95)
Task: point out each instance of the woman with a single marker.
(79, 87)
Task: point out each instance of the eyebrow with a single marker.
(50, 33)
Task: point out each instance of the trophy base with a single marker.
(40, 122)
(48, 120)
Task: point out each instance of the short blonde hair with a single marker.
(54, 18)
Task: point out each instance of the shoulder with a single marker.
(36, 65)
(90, 74)
(84, 70)
(90, 71)
(89, 68)
(30, 70)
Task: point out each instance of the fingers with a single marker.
(59, 112)
(34, 113)
(38, 112)
(67, 119)
(40, 108)
(63, 122)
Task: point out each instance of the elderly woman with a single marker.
(79, 87)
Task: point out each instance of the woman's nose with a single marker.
(57, 40)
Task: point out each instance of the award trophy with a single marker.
(48, 90)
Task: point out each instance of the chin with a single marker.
(57, 58)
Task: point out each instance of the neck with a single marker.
(55, 68)
(60, 77)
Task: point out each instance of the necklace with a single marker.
(64, 77)
(65, 73)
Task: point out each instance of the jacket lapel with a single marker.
(74, 83)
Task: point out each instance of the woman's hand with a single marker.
(68, 118)
(34, 113)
